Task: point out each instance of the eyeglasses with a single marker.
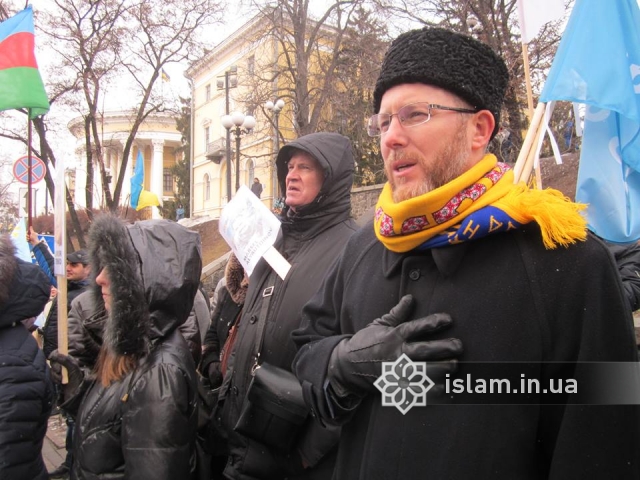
(408, 116)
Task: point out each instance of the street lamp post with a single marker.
(474, 25)
(229, 75)
(275, 108)
(242, 124)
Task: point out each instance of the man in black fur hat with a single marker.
(458, 255)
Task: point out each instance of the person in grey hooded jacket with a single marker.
(26, 390)
(315, 174)
(138, 417)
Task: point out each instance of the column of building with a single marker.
(157, 172)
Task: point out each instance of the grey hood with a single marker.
(154, 267)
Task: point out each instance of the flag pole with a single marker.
(528, 145)
(28, 170)
(126, 210)
(530, 113)
(527, 76)
(60, 260)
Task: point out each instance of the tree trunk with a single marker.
(46, 155)
(89, 155)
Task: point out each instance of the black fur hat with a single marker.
(448, 60)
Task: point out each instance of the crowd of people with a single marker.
(286, 378)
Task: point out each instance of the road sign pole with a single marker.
(23, 202)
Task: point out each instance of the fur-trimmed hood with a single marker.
(154, 268)
(24, 287)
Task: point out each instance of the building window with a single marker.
(207, 187)
(251, 172)
(71, 179)
(207, 138)
(207, 93)
(251, 65)
(167, 181)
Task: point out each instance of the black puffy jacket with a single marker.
(86, 325)
(26, 391)
(144, 425)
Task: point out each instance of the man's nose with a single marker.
(396, 135)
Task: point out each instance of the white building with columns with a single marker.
(157, 139)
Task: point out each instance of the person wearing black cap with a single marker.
(77, 273)
(461, 266)
(26, 390)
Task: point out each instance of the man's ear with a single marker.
(482, 125)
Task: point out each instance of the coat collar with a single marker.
(447, 259)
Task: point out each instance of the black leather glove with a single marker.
(356, 362)
(214, 375)
(75, 373)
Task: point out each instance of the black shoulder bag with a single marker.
(273, 411)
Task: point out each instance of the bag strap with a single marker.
(267, 295)
(228, 344)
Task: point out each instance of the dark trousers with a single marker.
(71, 424)
(68, 443)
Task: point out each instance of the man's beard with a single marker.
(448, 164)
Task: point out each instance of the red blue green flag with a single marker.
(20, 82)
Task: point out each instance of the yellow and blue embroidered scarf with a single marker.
(482, 201)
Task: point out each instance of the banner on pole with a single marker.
(598, 64)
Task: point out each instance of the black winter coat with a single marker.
(85, 330)
(310, 242)
(224, 316)
(511, 301)
(222, 319)
(627, 258)
(86, 326)
(26, 390)
(144, 425)
(50, 328)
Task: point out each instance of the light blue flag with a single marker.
(598, 63)
(136, 180)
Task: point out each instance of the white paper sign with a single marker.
(251, 229)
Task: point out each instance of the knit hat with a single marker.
(448, 60)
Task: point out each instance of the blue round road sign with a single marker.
(21, 169)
